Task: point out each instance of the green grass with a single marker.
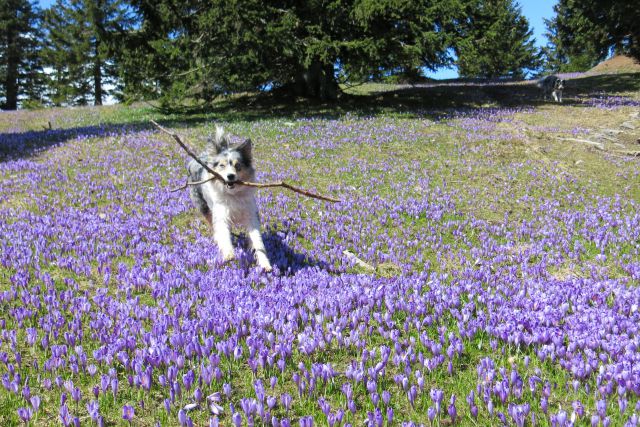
(486, 175)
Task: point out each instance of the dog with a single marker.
(226, 204)
(551, 85)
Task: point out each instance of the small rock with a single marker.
(612, 131)
(627, 125)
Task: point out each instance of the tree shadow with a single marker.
(20, 145)
(431, 100)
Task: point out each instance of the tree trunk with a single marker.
(11, 80)
(97, 76)
(317, 82)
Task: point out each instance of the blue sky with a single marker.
(534, 10)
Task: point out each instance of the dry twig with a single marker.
(217, 176)
(595, 144)
(632, 153)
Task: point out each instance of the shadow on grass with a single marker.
(430, 100)
(19, 145)
(281, 255)
(426, 100)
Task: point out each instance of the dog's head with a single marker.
(559, 85)
(233, 162)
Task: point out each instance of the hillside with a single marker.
(617, 64)
(480, 269)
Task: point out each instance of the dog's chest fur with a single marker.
(234, 208)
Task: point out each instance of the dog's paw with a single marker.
(228, 257)
(263, 261)
(266, 268)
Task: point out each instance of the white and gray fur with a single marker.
(551, 85)
(225, 204)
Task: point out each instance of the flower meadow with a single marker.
(502, 288)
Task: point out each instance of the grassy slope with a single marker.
(485, 173)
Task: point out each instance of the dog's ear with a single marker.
(245, 150)
(221, 141)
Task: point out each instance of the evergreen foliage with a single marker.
(82, 38)
(295, 47)
(21, 77)
(496, 41)
(576, 44)
(190, 52)
(619, 19)
(585, 32)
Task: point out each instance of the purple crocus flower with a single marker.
(65, 416)
(128, 413)
(451, 409)
(436, 396)
(35, 403)
(431, 413)
(25, 414)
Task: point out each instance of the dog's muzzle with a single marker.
(230, 180)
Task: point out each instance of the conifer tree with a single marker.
(575, 43)
(82, 36)
(496, 41)
(201, 49)
(20, 70)
(584, 32)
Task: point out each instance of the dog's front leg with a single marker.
(222, 234)
(256, 242)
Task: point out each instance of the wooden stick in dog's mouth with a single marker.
(217, 176)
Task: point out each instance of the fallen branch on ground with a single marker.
(217, 176)
(595, 144)
(631, 153)
(358, 261)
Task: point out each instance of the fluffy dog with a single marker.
(551, 85)
(225, 204)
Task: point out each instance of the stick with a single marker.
(358, 261)
(217, 176)
(631, 153)
(597, 145)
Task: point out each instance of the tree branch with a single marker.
(217, 176)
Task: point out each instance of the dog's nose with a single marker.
(231, 177)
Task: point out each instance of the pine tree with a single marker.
(584, 32)
(20, 70)
(496, 41)
(292, 46)
(82, 38)
(575, 43)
